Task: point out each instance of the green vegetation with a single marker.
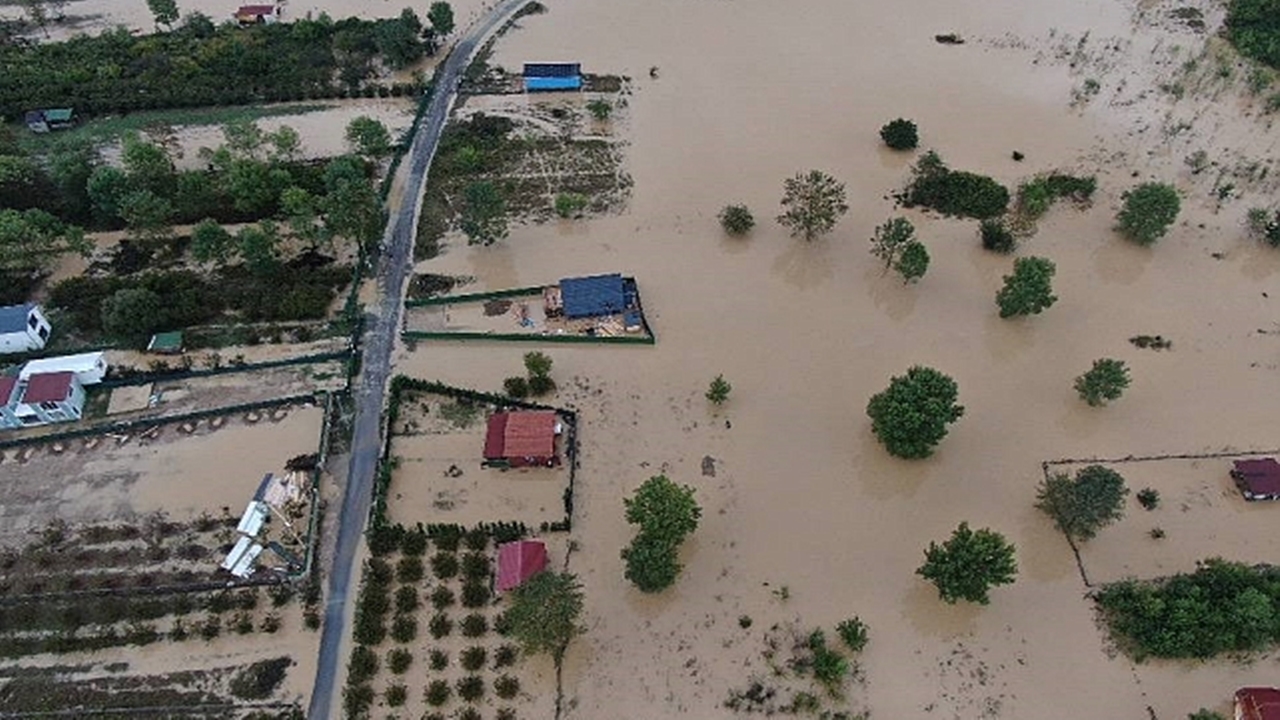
(1264, 225)
(1203, 714)
(30, 240)
(600, 109)
(854, 633)
(1036, 195)
(484, 213)
(910, 417)
(571, 205)
(1149, 498)
(736, 220)
(1149, 211)
(1253, 27)
(996, 236)
(969, 564)
(954, 192)
(399, 660)
(440, 15)
(913, 262)
(812, 204)
(666, 514)
(368, 137)
(719, 390)
(1083, 505)
(830, 668)
(544, 612)
(1105, 381)
(900, 134)
(1029, 290)
(1222, 607)
(891, 238)
(260, 680)
(516, 387)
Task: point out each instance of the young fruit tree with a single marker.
(718, 393)
(910, 417)
(736, 220)
(969, 564)
(812, 204)
(1105, 381)
(543, 613)
(1029, 290)
(900, 134)
(1149, 210)
(890, 238)
(1083, 505)
(913, 262)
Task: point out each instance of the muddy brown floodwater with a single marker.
(749, 92)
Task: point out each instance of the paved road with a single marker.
(397, 259)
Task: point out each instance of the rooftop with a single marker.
(48, 387)
(593, 296)
(521, 434)
(1258, 703)
(518, 561)
(13, 318)
(1260, 476)
(84, 362)
(7, 384)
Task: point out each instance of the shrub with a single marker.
(280, 594)
(473, 658)
(362, 666)
(571, 205)
(829, 666)
(211, 627)
(407, 599)
(1264, 226)
(357, 699)
(505, 713)
(409, 569)
(469, 713)
(1036, 195)
(438, 692)
(718, 392)
(536, 364)
(968, 564)
(737, 220)
(1149, 498)
(442, 597)
(910, 417)
(470, 688)
(516, 387)
(540, 385)
(506, 687)
(414, 543)
(395, 695)
(475, 625)
(445, 565)
(438, 659)
(440, 625)
(600, 109)
(1149, 210)
(997, 237)
(404, 628)
(1252, 28)
(399, 660)
(243, 623)
(260, 680)
(900, 134)
(953, 192)
(1105, 381)
(854, 633)
(475, 594)
(270, 623)
(502, 624)
(475, 566)
(1029, 290)
(505, 656)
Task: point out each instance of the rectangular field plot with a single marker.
(1200, 513)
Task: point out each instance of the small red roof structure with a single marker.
(1257, 704)
(1258, 479)
(7, 384)
(256, 10)
(48, 387)
(526, 437)
(518, 561)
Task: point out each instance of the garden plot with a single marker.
(438, 447)
(175, 397)
(1200, 515)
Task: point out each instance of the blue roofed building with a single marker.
(23, 328)
(593, 296)
(552, 76)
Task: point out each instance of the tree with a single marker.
(147, 164)
(997, 237)
(969, 564)
(718, 393)
(440, 15)
(600, 109)
(1149, 210)
(913, 262)
(259, 246)
(351, 205)
(1083, 505)
(397, 40)
(812, 204)
(106, 188)
(910, 417)
(571, 204)
(484, 213)
(1029, 290)
(1106, 380)
(666, 514)
(132, 314)
(890, 238)
(651, 565)
(165, 12)
(543, 613)
(210, 242)
(736, 220)
(302, 212)
(147, 215)
(285, 143)
(32, 239)
(900, 134)
(368, 137)
(537, 364)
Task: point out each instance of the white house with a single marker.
(89, 368)
(48, 398)
(23, 328)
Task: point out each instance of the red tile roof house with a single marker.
(522, 439)
(48, 398)
(1257, 704)
(257, 14)
(1257, 479)
(518, 561)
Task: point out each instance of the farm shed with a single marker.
(518, 561)
(257, 14)
(166, 343)
(1257, 704)
(89, 368)
(23, 328)
(1257, 479)
(43, 121)
(593, 296)
(551, 76)
(522, 439)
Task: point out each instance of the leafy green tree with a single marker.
(890, 239)
(544, 612)
(1106, 380)
(663, 509)
(21, 179)
(302, 212)
(71, 163)
(440, 15)
(147, 164)
(210, 242)
(132, 314)
(1204, 714)
(997, 237)
(900, 134)
(650, 564)
(537, 364)
(954, 192)
(106, 188)
(1083, 505)
(1029, 290)
(1149, 211)
(147, 215)
(259, 246)
(165, 12)
(351, 206)
(913, 262)
(719, 391)
(368, 137)
(33, 239)
(484, 213)
(397, 40)
(286, 144)
(737, 220)
(968, 565)
(254, 185)
(571, 204)
(812, 204)
(910, 417)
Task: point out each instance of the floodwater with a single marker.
(748, 93)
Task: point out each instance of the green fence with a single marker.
(515, 337)
(475, 297)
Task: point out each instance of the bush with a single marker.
(516, 387)
(473, 658)
(1252, 27)
(440, 625)
(1149, 498)
(571, 205)
(475, 594)
(540, 385)
(1029, 290)
(414, 543)
(442, 597)
(997, 237)
(260, 680)
(900, 134)
(469, 713)
(404, 628)
(409, 569)
(395, 695)
(1036, 195)
(1149, 210)
(854, 633)
(438, 692)
(407, 599)
(506, 687)
(505, 656)
(475, 566)
(270, 623)
(1105, 381)
(600, 109)
(445, 565)
(736, 220)
(363, 665)
(954, 192)
(910, 417)
(211, 627)
(438, 659)
(357, 699)
(399, 660)
(470, 688)
(475, 625)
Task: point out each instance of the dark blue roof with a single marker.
(13, 318)
(552, 69)
(592, 296)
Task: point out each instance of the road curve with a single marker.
(366, 441)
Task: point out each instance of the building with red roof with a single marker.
(257, 14)
(46, 398)
(522, 438)
(1257, 703)
(1257, 479)
(518, 561)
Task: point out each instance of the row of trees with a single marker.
(665, 513)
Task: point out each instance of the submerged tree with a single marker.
(666, 513)
(165, 12)
(484, 213)
(736, 220)
(910, 417)
(969, 564)
(32, 239)
(543, 613)
(1083, 505)
(913, 262)
(718, 393)
(900, 134)
(812, 204)
(132, 314)
(1029, 290)
(1149, 210)
(1106, 380)
(890, 238)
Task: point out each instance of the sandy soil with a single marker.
(750, 92)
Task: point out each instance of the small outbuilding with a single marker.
(89, 368)
(518, 561)
(8, 388)
(43, 121)
(1257, 479)
(23, 328)
(522, 438)
(166, 343)
(257, 14)
(552, 76)
(1257, 703)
